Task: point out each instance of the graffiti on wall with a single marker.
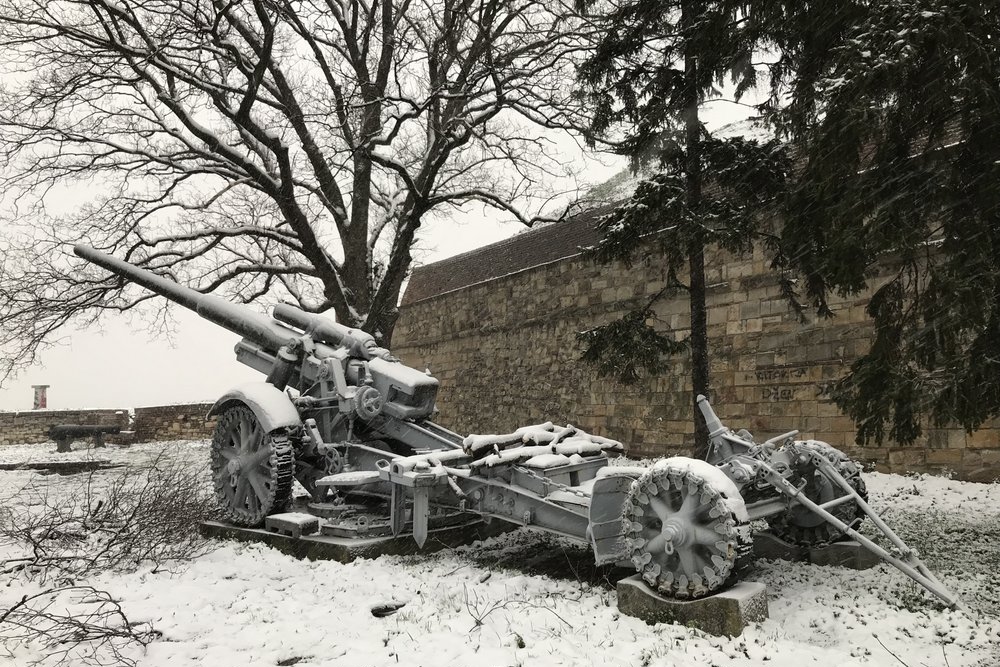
(779, 373)
(786, 383)
(777, 393)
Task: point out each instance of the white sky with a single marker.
(124, 366)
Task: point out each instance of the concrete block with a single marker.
(293, 524)
(989, 457)
(726, 613)
(345, 550)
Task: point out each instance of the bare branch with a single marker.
(264, 149)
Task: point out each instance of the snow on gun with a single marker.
(352, 425)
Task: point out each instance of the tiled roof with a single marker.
(543, 245)
(523, 251)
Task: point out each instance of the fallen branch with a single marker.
(110, 522)
(91, 627)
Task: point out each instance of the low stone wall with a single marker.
(506, 354)
(149, 424)
(173, 422)
(31, 427)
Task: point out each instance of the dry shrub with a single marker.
(112, 521)
(109, 521)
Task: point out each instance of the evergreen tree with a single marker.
(655, 66)
(893, 111)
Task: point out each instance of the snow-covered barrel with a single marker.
(241, 320)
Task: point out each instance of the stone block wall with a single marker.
(150, 424)
(31, 427)
(173, 422)
(506, 354)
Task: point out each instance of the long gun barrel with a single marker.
(408, 393)
(252, 325)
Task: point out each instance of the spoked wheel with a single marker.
(252, 470)
(681, 528)
(801, 526)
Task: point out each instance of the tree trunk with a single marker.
(356, 273)
(690, 11)
(383, 313)
(699, 345)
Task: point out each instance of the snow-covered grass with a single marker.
(83, 451)
(528, 599)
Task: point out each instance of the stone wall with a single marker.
(173, 422)
(506, 354)
(33, 426)
(150, 424)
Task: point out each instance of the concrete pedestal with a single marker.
(844, 554)
(725, 613)
(345, 550)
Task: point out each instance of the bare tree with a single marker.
(256, 147)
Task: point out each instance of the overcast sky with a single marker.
(123, 366)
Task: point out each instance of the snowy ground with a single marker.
(526, 599)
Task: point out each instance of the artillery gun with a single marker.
(352, 425)
(64, 434)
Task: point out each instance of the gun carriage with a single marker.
(65, 434)
(352, 425)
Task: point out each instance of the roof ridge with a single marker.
(535, 247)
(529, 231)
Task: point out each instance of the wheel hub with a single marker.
(675, 535)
